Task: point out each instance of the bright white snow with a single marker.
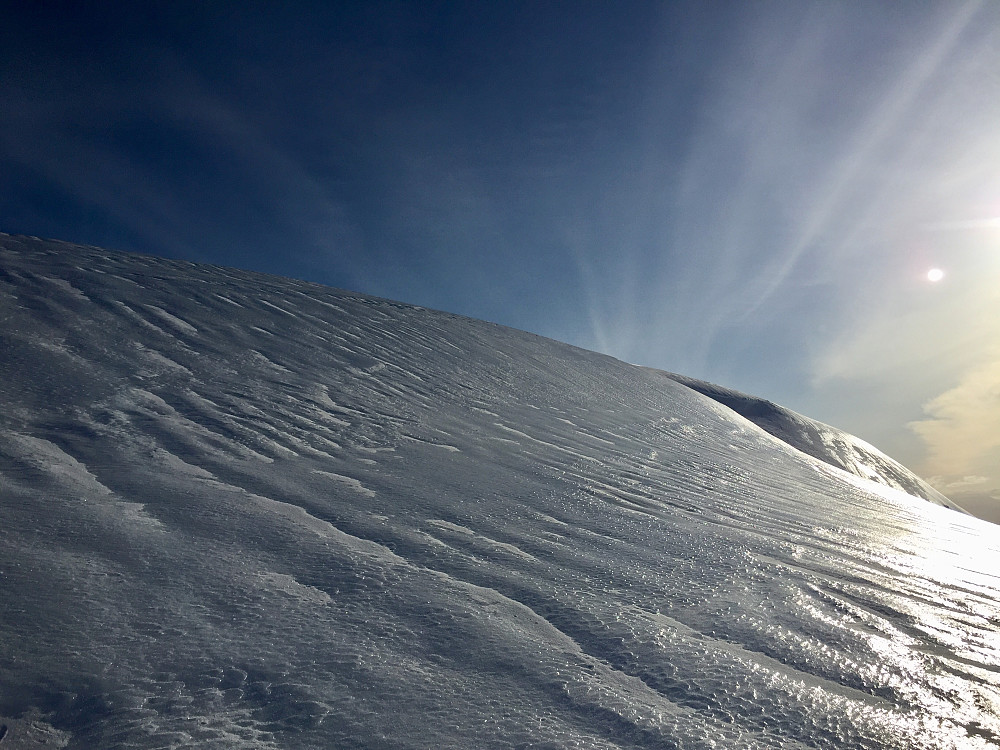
(239, 511)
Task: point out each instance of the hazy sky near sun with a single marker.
(749, 193)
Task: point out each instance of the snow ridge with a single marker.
(828, 444)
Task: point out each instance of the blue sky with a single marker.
(749, 193)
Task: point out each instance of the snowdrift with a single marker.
(240, 511)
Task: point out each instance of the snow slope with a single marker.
(240, 511)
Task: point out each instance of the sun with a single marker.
(935, 275)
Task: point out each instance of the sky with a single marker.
(747, 193)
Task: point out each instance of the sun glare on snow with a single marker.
(935, 275)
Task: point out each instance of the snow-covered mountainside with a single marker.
(239, 511)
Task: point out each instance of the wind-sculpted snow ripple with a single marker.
(244, 511)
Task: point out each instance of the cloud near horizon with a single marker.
(962, 431)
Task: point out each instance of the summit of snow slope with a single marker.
(241, 511)
(819, 440)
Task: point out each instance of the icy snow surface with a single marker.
(239, 511)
